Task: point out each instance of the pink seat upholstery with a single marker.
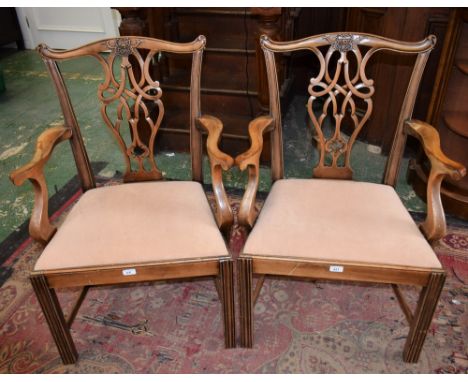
(338, 220)
(135, 223)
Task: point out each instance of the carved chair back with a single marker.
(342, 86)
(128, 95)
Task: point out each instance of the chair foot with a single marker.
(245, 301)
(427, 304)
(226, 274)
(55, 319)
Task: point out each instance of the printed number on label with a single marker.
(336, 268)
(129, 272)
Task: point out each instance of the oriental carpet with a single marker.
(300, 326)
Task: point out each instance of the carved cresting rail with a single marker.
(126, 90)
(340, 88)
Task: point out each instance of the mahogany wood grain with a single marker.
(320, 270)
(396, 153)
(196, 149)
(55, 319)
(392, 72)
(448, 113)
(267, 25)
(276, 135)
(132, 102)
(131, 89)
(132, 21)
(340, 99)
(230, 68)
(172, 270)
(356, 85)
(442, 77)
(427, 304)
(434, 227)
(226, 273)
(258, 288)
(76, 306)
(245, 273)
(83, 165)
(40, 227)
(218, 287)
(403, 304)
(251, 160)
(218, 161)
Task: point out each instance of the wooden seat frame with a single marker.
(358, 86)
(133, 104)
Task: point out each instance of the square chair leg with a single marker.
(427, 304)
(226, 274)
(245, 301)
(55, 319)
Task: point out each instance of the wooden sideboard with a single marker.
(391, 73)
(448, 112)
(234, 86)
(233, 81)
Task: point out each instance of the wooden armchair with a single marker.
(147, 229)
(331, 227)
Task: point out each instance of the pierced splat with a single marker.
(130, 98)
(338, 101)
(132, 103)
(345, 95)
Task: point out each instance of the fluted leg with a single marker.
(427, 304)
(226, 274)
(55, 319)
(245, 301)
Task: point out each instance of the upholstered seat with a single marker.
(329, 227)
(135, 223)
(147, 229)
(338, 220)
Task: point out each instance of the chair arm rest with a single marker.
(39, 225)
(219, 161)
(430, 140)
(434, 227)
(251, 160)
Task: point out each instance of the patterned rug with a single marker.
(300, 326)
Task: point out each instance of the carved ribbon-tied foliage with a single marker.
(130, 98)
(343, 42)
(337, 89)
(122, 47)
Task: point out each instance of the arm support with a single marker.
(251, 160)
(434, 226)
(39, 225)
(218, 161)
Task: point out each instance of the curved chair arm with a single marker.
(218, 161)
(434, 226)
(39, 225)
(251, 160)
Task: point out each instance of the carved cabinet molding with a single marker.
(448, 112)
(391, 72)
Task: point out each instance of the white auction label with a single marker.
(129, 272)
(336, 268)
